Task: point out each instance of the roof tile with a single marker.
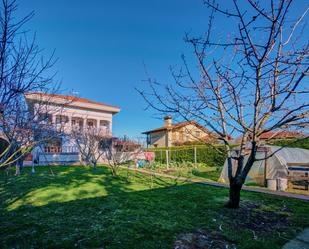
(72, 98)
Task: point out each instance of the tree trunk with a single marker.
(234, 195)
(19, 166)
(114, 171)
(17, 170)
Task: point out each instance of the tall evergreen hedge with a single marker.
(211, 156)
(302, 143)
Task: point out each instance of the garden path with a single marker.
(300, 242)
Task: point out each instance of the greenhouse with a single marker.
(279, 163)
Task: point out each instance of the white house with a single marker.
(67, 112)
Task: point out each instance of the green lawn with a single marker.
(189, 170)
(77, 207)
(200, 172)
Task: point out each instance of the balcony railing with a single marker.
(101, 130)
(63, 149)
(66, 128)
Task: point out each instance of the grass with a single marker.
(189, 170)
(200, 172)
(79, 207)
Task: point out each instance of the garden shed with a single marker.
(279, 164)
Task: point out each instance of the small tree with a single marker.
(24, 130)
(248, 83)
(118, 151)
(88, 142)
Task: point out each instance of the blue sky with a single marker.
(103, 45)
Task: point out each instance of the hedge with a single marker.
(293, 143)
(211, 156)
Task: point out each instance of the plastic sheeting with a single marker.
(276, 165)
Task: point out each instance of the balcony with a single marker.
(95, 130)
(66, 124)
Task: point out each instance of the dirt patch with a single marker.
(257, 217)
(203, 240)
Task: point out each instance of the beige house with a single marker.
(176, 134)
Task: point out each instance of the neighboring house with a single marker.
(176, 134)
(280, 135)
(67, 112)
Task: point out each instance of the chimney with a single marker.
(168, 121)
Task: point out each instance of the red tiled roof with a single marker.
(70, 98)
(168, 128)
(175, 126)
(281, 135)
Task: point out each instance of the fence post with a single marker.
(167, 159)
(195, 155)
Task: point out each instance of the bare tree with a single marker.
(120, 150)
(88, 142)
(249, 82)
(22, 69)
(26, 128)
(96, 145)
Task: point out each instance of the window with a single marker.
(77, 123)
(104, 124)
(53, 146)
(45, 117)
(61, 119)
(197, 133)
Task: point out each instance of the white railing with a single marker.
(62, 149)
(68, 129)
